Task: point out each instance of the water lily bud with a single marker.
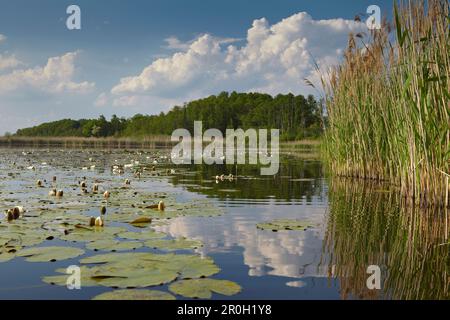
(98, 222)
(9, 215)
(95, 188)
(106, 194)
(16, 212)
(161, 206)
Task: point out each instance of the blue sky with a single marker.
(145, 56)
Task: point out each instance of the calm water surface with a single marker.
(354, 226)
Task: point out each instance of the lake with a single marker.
(351, 225)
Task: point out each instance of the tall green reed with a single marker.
(388, 104)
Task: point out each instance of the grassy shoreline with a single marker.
(159, 141)
(79, 142)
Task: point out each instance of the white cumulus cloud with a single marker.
(8, 62)
(274, 59)
(55, 77)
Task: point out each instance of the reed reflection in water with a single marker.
(369, 225)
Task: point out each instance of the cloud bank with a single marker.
(8, 62)
(55, 77)
(274, 59)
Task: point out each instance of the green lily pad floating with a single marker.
(187, 266)
(4, 241)
(139, 269)
(8, 252)
(28, 239)
(198, 208)
(47, 254)
(175, 244)
(284, 224)
(203, 288)
(113, 245)
(61, 280)
(133, 294)
(192, 266)
(144, 235)
(134, 277)
(90, 234)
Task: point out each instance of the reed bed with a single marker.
(388, 104)
(151, 142)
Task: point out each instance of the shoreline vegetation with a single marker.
(147, 142)
(297, 117)
(388, 105)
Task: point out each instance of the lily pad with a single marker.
(113, 245)
(135, 278)
(46, 254)
(175, 244)
(284, 224)
(89, 234)
(203, 288)
(133, 294)
(144, 235)
(8, 252)
(61, 280)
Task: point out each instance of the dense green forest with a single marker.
(297, 117)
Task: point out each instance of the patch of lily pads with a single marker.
(204, 288)
(133, 294)
(113, 245)
(129, 206)
(138, 269)
(173, 244)
(284, 224)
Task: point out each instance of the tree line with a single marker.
(297, 117)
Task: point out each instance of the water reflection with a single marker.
(370, 226)
(296, 180)
(289, 254)
(298, 192)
